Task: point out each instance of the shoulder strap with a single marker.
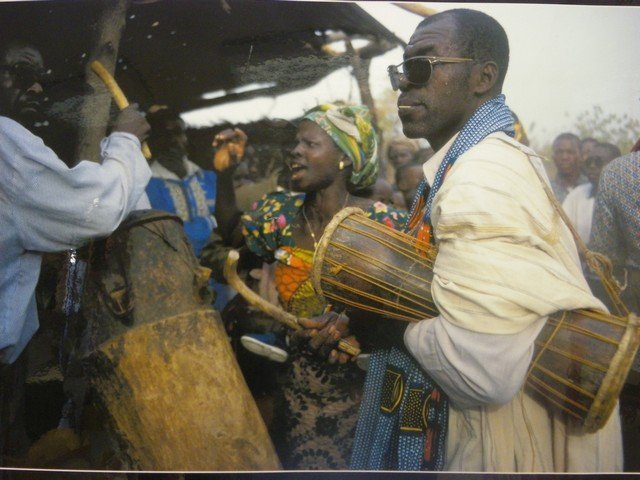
(598, 263)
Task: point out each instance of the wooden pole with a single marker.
(94, 113)
(118, 95)
(361, 74)
(417, 8)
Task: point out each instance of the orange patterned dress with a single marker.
(317, 406)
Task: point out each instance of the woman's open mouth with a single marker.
(296, 169)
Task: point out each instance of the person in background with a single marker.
(580, 201)
(178, 185)
(616, 223)
(567, 159)
(47, 207)
(381, 191)
(408, 178)
(401, 151)
(586, 144)
(181, 187)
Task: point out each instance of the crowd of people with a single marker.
(443, 393)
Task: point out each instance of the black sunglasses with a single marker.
(417, 70)
(25, 74)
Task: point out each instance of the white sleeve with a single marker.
(59, 207)
(143, 202)
(472, 368)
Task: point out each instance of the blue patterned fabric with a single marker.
(192, 198)
(388, 443)
(383, 440)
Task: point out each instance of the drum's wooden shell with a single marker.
(580, 363)
(176, 399)
(159, 360)
(363, 264)
(581, 358)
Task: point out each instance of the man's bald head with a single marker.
(477, 36)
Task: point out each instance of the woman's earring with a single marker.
(341, 165)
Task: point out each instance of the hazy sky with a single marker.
(564, 60)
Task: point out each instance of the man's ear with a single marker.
(485, 77)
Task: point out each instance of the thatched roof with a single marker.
(174, 51)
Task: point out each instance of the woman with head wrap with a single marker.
(336, 154)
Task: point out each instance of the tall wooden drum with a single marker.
(581, 357)
(159, 360)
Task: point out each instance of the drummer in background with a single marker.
(47, 207)
(504, 264)
(336, 154)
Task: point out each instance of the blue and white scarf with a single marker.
(380, 443)
(492, 116)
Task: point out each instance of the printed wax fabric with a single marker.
(351, 129)
(616, 224)
(316, 410)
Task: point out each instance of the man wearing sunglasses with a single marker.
(451, 396)
(47, 207)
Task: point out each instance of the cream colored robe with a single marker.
(506, 261)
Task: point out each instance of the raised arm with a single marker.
(229, 146)
(59, 207)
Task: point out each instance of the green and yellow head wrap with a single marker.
(351, 129)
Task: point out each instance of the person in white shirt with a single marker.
(568, 162)
(47, 207)
(580, 201)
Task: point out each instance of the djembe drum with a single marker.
(159, 360)
(581, 357)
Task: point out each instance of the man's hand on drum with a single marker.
(323, 333)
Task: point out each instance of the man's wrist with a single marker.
(128, 135)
